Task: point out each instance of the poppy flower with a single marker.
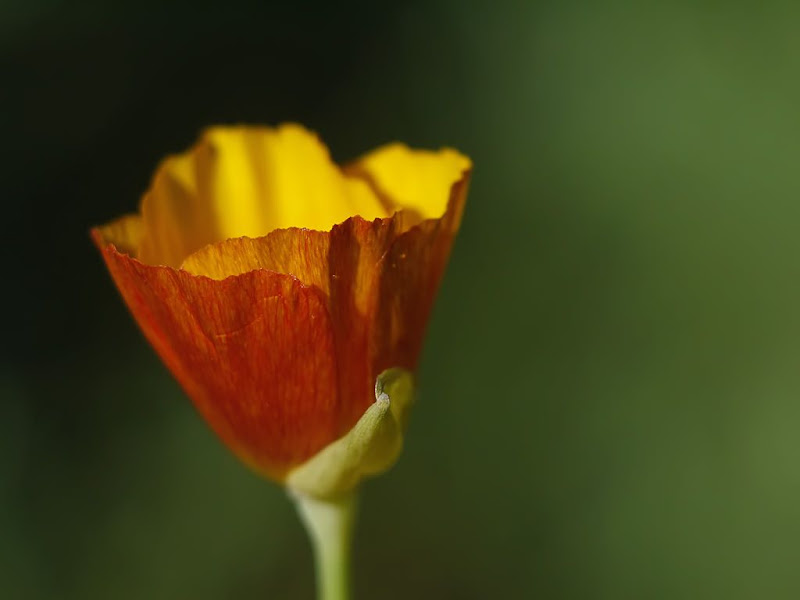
(277, 287)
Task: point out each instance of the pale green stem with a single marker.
(330, 526)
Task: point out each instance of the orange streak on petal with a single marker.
(356, 250)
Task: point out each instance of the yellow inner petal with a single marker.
(416, 180)
(248, 181)
(125, 233)
(263, 179)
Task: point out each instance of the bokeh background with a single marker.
(609, 404)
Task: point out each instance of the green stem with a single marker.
(330, 526)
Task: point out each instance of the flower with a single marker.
(277, 287)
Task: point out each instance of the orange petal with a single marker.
(410, 274)
(254, 352)
(344, 264)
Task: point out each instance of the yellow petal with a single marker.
(298, 252)
(415, 180)
(125, 233)
(176, 221)
(248, 181)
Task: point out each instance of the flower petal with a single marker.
(344, 265)
(379, 277)
(278, 338)
(125, 233)
(176, 220)
(301, 253)
(412, 180)
(254, 352)
(247, 181)
(410, 274)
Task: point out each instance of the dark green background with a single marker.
(609, 404)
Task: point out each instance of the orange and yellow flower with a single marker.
(277, 286)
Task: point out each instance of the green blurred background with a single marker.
(609, 403)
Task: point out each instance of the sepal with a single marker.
(371, 447)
